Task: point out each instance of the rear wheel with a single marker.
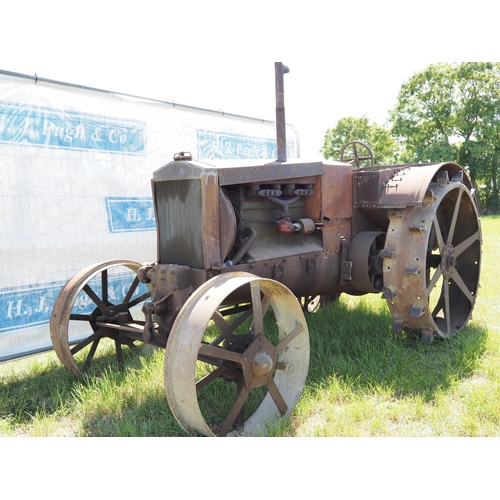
(432, 259)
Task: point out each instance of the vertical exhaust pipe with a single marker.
(279, 70)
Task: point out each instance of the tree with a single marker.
(348, 129)
(451, 112)
(422, 118)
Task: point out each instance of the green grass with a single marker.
(364, 380)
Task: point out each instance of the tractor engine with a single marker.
(272, 219)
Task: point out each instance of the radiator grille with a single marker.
(179, 212)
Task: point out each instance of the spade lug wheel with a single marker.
(432, 260)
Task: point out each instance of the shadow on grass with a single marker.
(42, 390)
(358, 347)
(355, 346)
(50, 390)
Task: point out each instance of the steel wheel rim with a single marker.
(283, 382)
(67, 344)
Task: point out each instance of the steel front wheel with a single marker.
(232, 370)
(101, 301)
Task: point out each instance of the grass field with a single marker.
(364, 380)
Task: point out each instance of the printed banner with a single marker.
(27, 306)
(130, 214)
(76, 186)
(214, 145)
(44, 127)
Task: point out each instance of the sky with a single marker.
(345, 59)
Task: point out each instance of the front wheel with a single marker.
(234, 369)
(99, 302)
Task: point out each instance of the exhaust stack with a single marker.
(279, 70)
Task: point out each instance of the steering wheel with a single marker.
(356, 159)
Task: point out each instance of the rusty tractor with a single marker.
(246, 248)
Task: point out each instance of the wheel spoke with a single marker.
(84, 343)
(90, 355)
(277, 397)
(434, 280)
(119, 353)
(447, 311)
(454, 219)
(104, 285)
(439, 234)
(238, 322)
(263, 310)
(289, 338)
(225, 329)
(131, 290)
(258, 318)
(439, 304)
(95, 298)
(235, 410)
(460, 248)
(266, 301)
(213, 375)
(218, 353)
(138, 300)
(463, 287)
(80, 317)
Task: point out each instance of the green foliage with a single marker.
(451, 112)
(422, 118)
(447, 112)
(360, 129)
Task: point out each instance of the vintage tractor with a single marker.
(244, 248)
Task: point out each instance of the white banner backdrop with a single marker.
(75, 186)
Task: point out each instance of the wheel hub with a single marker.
(448, 261)
(276, 368)
(259, 361)
(262, 363)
